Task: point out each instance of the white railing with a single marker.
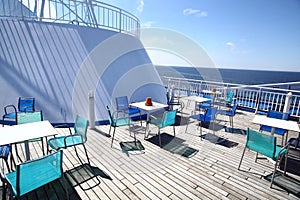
(256, 98)
(81, 12)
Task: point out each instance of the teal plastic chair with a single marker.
(208, 116)
(116, 119)
(265, 145)
(33, 174)
(168, 119)
(123, 105)
(30, 117)
(76, 137)
(25, 104)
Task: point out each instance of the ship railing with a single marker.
(90, 13)
(257, 98)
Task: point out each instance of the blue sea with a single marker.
(235, 76)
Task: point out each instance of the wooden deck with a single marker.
(159, 173)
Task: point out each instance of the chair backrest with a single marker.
(277, 115)
(261, 143)
(26, 104)
(36, 173)
(169, 118)
(210, 114)
(234, 107)
(122, 103)
(80, 127)
(28, 117)
(229, 97)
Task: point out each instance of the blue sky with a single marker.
(242, 34)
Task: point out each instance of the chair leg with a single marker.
(109, 129)
(256, 155)
(273, 176)
(112, 140)
(174, 130)
(159, 139)
(187, 125)
(200, 124)
(242, 158)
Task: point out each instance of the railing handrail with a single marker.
(84, 12)
(255, 97)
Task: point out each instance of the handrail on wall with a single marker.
(91, 13)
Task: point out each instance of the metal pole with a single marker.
(287, 105)
(91, 109)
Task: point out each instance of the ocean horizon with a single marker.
(233, 76)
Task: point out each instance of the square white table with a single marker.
(276, 123)
(24, 132)
(196, 99)
(155, 106)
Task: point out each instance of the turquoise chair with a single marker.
(122, 104)
(76, 137)
(29, 117)
(208, 116)
(25, 104)
(168, 119)
(265, 145)
(118, 118)
(33, 174)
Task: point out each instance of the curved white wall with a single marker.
(59, 64)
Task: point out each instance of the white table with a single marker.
(25, 132)
(155, 106)
(196, 99)
(276, 123)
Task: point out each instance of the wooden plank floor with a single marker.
(156, 173)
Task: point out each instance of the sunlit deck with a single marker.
(157, 173)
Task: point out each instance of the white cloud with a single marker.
(229, 44)
(234, 49)
(148, 24)
(195, 12)
(140, 7)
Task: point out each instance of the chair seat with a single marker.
(265, 150)
(199, 117)
(4, 151)
(225, 112)
(278, 131)
(10, 115)
(204, 105)
(156, 122)
(59, 142)
(122, 122)
(132, 111)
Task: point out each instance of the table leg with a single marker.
(147, 125)
(27, 153)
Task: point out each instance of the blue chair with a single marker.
(33, 174)
(230, 113)
(172, 101)
(25, 104)
(278, 131)
(4, 154)
(208, 116)
(117, 119)
(76, 137)
(265, 145)
(206, 104)
(122, 104)
(167, 119)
